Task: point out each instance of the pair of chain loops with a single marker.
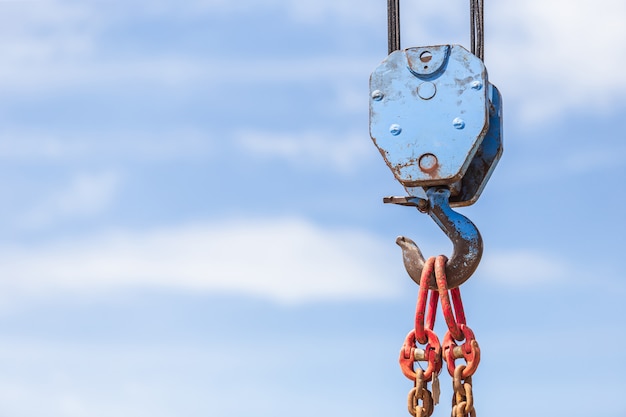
(456, 317)
(437, 265)
(421, 393)
(463, 398)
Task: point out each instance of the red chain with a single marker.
(423, 332)
(442, 284)
(432, 354)
(469, 350)
(424, 324)
(420, 309)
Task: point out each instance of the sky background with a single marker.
(192, 219)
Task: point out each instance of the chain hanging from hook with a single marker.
(434, 353)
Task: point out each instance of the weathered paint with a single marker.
(437, 96)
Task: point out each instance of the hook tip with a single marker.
(412, 257)
(404, 241)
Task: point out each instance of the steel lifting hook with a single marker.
(468, 244)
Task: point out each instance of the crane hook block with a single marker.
(436, 120)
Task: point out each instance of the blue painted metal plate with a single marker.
(429, 113)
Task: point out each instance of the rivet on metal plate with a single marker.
(377, 95)
(458, 123)
(395, 129)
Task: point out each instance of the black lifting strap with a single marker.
(393, 25)
(477, 27)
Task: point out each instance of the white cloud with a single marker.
(556, 57)
(45, 35)
(59, 46)
(364, 11)
(94, 380)
(593, 159)
(284, 260)
(522, 268)
(546, 57)
(549, 57)
(56, 44)
(175, 71)
(339, 151)
(28, 144)
(86, 195)
(309, 12)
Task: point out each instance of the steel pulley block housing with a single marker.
(436, 120)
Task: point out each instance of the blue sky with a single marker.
(192, 219)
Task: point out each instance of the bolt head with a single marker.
(458, 123)
(477, 85)
(395, 129)
(377, 95)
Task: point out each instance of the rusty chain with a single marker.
(421, 393)
(463, 397)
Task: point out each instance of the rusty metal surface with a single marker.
(465, 237)
(420, 393)
(463, 398)
(429, 113)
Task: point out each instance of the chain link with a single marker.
(421, 393)
(409, 354)
(469, 350)
(463, 397)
